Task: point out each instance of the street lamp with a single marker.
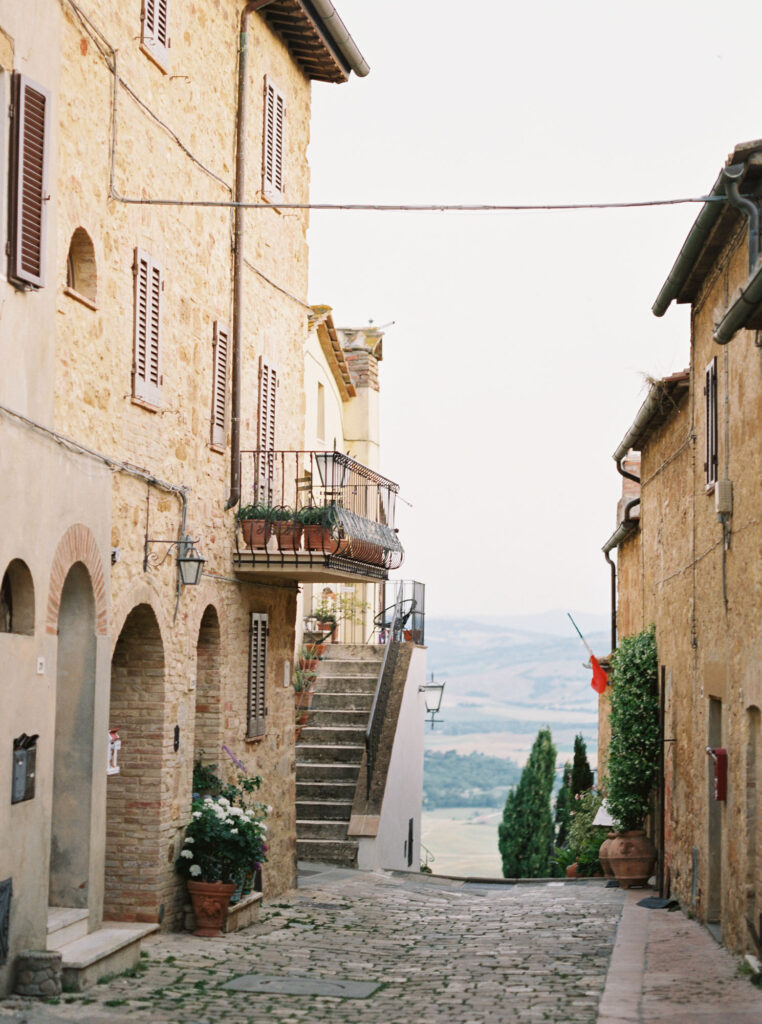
(433, 699)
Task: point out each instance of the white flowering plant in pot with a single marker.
(223, 841)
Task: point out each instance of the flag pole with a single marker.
(579, 631)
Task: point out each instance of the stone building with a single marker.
(688, 561)
(152, 339)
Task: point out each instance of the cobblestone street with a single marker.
(356, 947)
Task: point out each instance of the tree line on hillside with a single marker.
(531, 836)
(466, 780)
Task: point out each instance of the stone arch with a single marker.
(77, 545)
(133, 888)
(81, 267)
(17, 599)
(207, 735)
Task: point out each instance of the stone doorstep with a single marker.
(114, 948)
(65, 925)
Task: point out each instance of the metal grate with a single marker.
(6, 891)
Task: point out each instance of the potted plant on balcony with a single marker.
(287, 528)
(256, 524)
(633, 755)
(319, 523)
(223, 842)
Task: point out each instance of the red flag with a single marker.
(600, 679)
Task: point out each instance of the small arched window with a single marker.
(81, 271)
(17, 599)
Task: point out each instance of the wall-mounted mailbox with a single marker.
(719, 756)
(22, 779)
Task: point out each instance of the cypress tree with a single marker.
(563, 808)
(525, 836)
(581, 776)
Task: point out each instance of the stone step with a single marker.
(355, 652)
(333, 735)
(328, 668)
(323, 810)
(65, 924)
(326, 771)
(343, 702)
(308, 790)
(336, 831)
(341, 718)
(309, 752)
(114, 948)
(346, 684)
(328, 851)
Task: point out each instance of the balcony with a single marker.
(316, 517)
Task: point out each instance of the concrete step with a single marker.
(346, 684)
(328, 851)
(336, 831)
(342, 718)
(307, 790)
(355, 652)
(326, 771)
(324, 810)
(333, 735)
(65, 924)
(114, 948)
(309, 752)
(343, 702)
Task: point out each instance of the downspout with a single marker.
(625, 527)
(751, 294)
(732, 176)
(240, 214)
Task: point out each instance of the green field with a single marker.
(462, 841)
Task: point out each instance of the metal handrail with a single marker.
(373, 731)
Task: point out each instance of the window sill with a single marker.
(149, 52)
(149, 406)
(79, 297)
(220, 449)
(272, 200)
(253, 739)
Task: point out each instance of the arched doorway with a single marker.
(133, 890)
(73, 757)
(208, 723)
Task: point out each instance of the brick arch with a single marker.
(77, 545)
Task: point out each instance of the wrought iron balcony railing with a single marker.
(316, 510)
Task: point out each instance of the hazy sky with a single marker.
(520, 341)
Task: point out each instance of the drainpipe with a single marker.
(240, 188)
(751, 294)
(733, 175)
(625, 527)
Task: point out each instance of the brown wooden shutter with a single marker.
(146, 369)
(30, 141)
(219, 382)
(154, 33)
(272, 163)
(257, 708)
(266, 429)
(710, 397)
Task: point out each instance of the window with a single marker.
(266, 422)
(17, 599)
(146, 367)
(154, 31)
(257, 710)
(219, 382)
(30, 139)
(272, 160)
(81, 272)
(710, 400)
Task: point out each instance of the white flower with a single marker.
(189, 839)
(196, 814)
(208, 799)
(234, 831)
(269, 809)
(187, 853)
(224, 801)
(195, 870)
(236, 811)
(263, 826)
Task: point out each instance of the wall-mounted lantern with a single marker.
(433, 699)
(190, 564)
(333, 469)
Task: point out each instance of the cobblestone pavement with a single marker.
(441, 952)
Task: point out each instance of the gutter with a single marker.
(624, 529)
(692, 245)
(340, 36)
(642, 418)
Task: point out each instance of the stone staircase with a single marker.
(330, 751)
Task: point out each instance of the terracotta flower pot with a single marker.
(289, 535)
(210, 903)
(318, 538)
(308, 664)
(632, 857)
(603, 855)
(571, 871)
(255, 532)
